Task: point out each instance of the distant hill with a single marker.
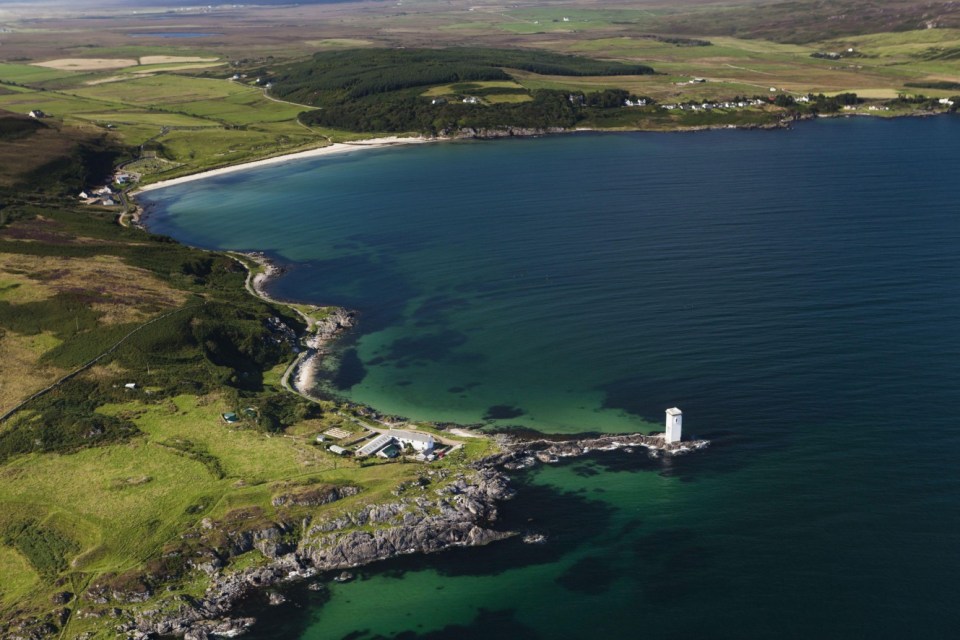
(802, 21)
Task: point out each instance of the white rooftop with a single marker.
(410, 436)
(374, 445)
(674, 412)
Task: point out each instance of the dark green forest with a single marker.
(379, 90)
(337, 77)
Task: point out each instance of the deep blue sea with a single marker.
(796, 293)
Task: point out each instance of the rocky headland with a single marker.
(437, 512)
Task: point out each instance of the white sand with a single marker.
(340, 147)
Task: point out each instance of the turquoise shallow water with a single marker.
(796, 293)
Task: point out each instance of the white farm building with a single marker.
(421, 442)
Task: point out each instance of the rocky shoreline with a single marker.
(463, 512)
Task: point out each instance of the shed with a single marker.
(340, 451)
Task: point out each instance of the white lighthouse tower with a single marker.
(674, 423)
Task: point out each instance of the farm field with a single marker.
(199, 122)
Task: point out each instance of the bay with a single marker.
(794, 292)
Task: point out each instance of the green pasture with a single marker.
(339, 43)
(130, 498)
(143, 69)
(497, 98)
(466, 87)
(221, 100)
(248, 106)
(10, 88)
(207, 148)
(900, 43)
(52, 102)
(19, 578)
(154, 118)
(244, 453)
(160, 90)
(29, 74)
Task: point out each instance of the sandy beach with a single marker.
(336, 148)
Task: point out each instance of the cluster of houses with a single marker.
(36, 114)
(466, 100)
(391, 444)
(106, 196)
(102, 196)
(711, 104)
(872, 107)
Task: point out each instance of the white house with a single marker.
(36, 113)
(422, 442)
(471, 100)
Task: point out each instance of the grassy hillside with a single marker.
(104, 478)
(39, 156)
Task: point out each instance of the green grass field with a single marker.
(29, 74)
(19, 578)
(149, 118)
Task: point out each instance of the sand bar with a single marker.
(336, 148)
